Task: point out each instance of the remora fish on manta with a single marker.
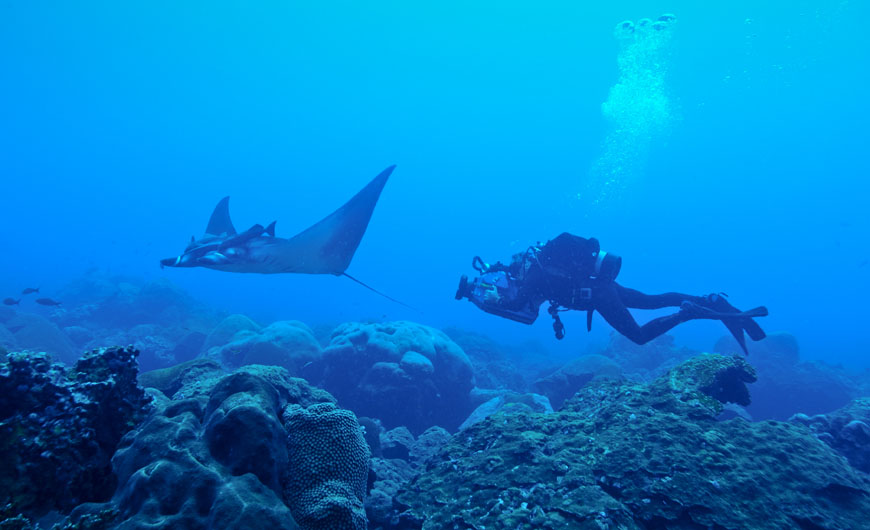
(327, 247)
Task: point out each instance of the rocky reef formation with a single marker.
(26, 331)
(400, 458)
(99, 301)
(255, 448)
(289, 344)
(505, 400)
(166, 324)
(59, 428)
(404, 374)
(624, 454)
(501, 366)
(223, 333)
(648, 361)
(567, 380)
(847, 431)
(786, 385)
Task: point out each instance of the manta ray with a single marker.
(327, 247)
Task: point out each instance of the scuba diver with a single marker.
(572, 272)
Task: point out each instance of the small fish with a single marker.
(11, 301)
(47, 301)
(30, 290)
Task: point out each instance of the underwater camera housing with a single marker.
(495, 292)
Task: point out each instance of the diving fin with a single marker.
(736, 322)
(737, 332)
(753, 330)
(719, 302)
(699, 311)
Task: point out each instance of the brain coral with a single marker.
(326, 477)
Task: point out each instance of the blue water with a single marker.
(730, 157)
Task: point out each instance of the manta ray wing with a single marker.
(328, 246)
(220, 224)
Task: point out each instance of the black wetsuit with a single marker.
(613, 300)
(563, 272)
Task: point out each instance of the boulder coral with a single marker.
(402, 373)
(36, 333)
(289, 344)
(169, 478)
(508, 366)
(255, 448)
(223, 333)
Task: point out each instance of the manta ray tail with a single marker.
(372, 289)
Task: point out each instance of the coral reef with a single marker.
(325, 483)
(223, 333)
(166, 324)
(169, 478)
(648, 361)
(786, 385)
(289, 344)
(390, 474)
(36, 333)
(502, 366)
(401, 373)
(59, 428)
(255, 448)
(567, 380)
(847, 431)
(99, 301)
(508, 402)
(7, 339)
(179, 381)
(225, 436)
(624, 454)
(199, 377)
(156, 346)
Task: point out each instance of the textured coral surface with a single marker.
(628, 455)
